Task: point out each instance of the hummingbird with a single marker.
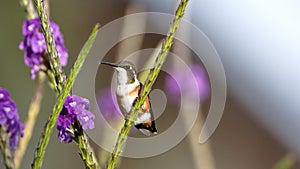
(128, 90)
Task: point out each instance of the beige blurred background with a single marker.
(239, 142)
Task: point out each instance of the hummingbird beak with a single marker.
(109, 64)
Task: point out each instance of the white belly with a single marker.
(125, 102)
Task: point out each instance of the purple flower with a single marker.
(178, 82)
(4, 95)
(9, 118)
(65, 135)
(33, 71)
(34, 45)
(30, 26)
(37, 42)
(108, 108)
(75, 107)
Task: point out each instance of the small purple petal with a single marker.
(22, 45)
(38, 44)
(34, 71)
(3, 118)
(55, 29)
(30, 26)
(64, 135)
(64, 119)
(63, 54)
(13, 141)
(78, 103)
(10, 109)
(32, 59)
(4, 95)
(86, 119)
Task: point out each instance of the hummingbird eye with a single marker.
(127, 67)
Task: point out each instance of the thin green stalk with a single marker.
(51, 47)
(33, 112)
(148, 84)
(44, 140)
(86, 153)
(6, 151)
(81, 139)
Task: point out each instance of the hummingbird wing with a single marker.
(145, 121)
(142, 75)
(145, 131)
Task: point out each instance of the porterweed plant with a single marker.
(46, 54)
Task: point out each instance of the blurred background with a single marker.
(258, 43)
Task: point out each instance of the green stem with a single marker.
(148, 84)
(86, 153)
(33, 112)
(51, 47)
(44, 140)
(81, 139)
(6, 151)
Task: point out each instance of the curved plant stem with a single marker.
(29, 9)
(81, 139)
(148, 84)
(44, 140)
(33, 112)
(6, 151)
(86, 152)
(55, 66)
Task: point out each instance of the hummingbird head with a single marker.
(126, 72)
